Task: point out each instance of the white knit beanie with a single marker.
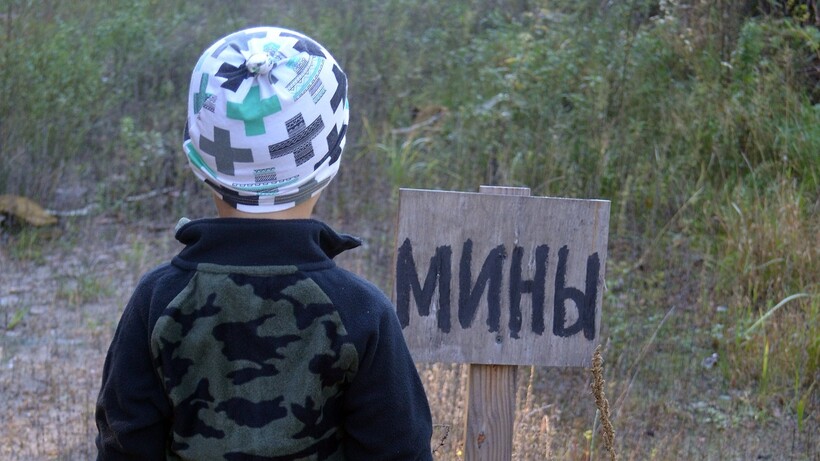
(267, 118)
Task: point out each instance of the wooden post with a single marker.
(490, 412)
(491, 394)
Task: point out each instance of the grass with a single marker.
(83, 288)
(698, 120)
(16, 318)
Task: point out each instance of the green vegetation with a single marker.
(82, 288)
(699, 120)
(16, 318)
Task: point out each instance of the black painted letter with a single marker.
(469, 295)
(407, 279)
(586, 303)
(536, 286)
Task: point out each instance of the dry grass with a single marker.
(602, 403)
(771, 244)
(771, 264)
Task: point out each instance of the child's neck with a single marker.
(303, 210)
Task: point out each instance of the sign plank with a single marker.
(498, 279)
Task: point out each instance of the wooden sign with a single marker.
(498, 279)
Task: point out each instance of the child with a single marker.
(251, 344)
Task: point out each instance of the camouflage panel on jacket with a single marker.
(254, 359)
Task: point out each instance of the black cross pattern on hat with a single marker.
(306, 45)
(238, 41)
(223, 152)
(234, 75)
(299, 140)
(341, 89)
(232, 197)
(334, 146)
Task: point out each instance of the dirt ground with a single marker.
(60, 301)
(59, 304)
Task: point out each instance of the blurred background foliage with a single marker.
(699, 120)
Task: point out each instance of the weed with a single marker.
(406, 160)
(29, 244)
(83, 288)
(602, 403)
(16, 318)
(136, 255)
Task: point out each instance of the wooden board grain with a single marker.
(468, 259)
(490, 414)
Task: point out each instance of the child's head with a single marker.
(267, 118)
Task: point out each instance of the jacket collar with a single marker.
(260, 242)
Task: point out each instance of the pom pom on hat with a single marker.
(267, 118)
